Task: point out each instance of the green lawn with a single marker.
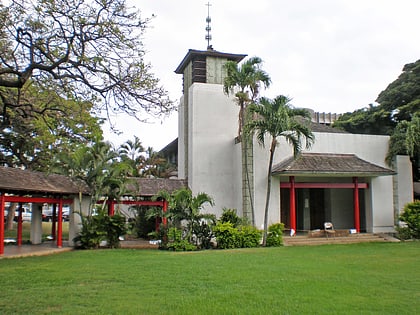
(26, 230)
(374, 278)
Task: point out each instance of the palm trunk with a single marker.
(267, 200)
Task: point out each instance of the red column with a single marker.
(165, 209)
(19, 225)
(54, 222)
(356, 204)
(1, 224)
(111, 207)
(292, 203)
(60, 224)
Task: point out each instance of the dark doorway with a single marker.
(317, 208)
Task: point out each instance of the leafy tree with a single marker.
(145, 163)
(32, 142)
(396, 115)
(155, 165)
(405, 140)
(132, 153)
(86, 50)
(276, 118)
(99, 168)
(402, 96)
(245, 82)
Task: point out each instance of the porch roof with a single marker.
(16, 180)
(315, 164)
(151, 186)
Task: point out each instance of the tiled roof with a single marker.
(329, 164)
(16, 180)
(151, 186)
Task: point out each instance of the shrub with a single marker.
(411, 217)
(275, 235)
(403, 233)
(176, 242)
(142, 224)
(229, 215)
(98, 228)
(249, 236)
(203, 233)
(90, 236)
(226, 235)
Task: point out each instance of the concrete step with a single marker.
(351, 239)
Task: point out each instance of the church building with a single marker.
(342, 178)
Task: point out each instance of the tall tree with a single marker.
(398, 106)
(98, 166)
(276, 118)
(133, 153)
(32, 141)
(91, 50)
(245, 81)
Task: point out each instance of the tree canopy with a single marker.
(398, 102)
(397, 115)
(84, 50)
(32, 141)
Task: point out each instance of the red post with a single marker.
(19, 225)
(165, 209)
(111, 207)
(54, 222)
(60, 224)
(1, 224)
(292, 203)
(356, 204)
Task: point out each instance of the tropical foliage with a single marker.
(277, 119)
(184, 215)
(84, 50)
(101, 229)
(144, 162)
(397, 115)
(411, 218)
(245, 82)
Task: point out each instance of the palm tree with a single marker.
(132, 152)
(184, 206)
(245, 82)
(276, 118)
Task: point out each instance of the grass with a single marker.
(26, 230)
(370, 278)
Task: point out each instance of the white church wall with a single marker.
(403, 183)
(213, 156)
(181, 141)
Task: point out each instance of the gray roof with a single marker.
(21, 182)
(315, 164)
(16, 180)
(151, 186)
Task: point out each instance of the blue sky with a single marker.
(328, 55)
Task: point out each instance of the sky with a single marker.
(327, 55)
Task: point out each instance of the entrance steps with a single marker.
(349, 239)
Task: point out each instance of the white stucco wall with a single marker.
(403, 183)
(75, 220)
(212, 155)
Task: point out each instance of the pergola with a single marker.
(24, 186)
(332, 166)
